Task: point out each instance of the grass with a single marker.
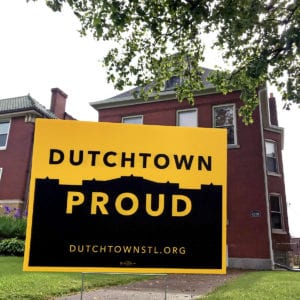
(260, 285)
(16, 284)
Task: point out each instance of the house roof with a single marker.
(127, 98)
(23, 104)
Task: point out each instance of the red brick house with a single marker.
(17, 116)
(257, 226)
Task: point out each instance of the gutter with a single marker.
(264, 89)
(131, 100)
(21, 113)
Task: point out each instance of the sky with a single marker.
(40, 50)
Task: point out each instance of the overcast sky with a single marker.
(41, 49)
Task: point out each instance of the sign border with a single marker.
(137, 270)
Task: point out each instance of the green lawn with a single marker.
(274, 285)
(16, 284)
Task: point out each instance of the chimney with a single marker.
(273, 110)
(58, 103)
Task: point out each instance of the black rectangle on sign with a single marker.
(126, 222)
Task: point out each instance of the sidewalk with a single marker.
(169, 287)
(108, 294)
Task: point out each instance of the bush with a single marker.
(11, 227)
(12, 223)
(12, 247)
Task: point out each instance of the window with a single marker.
(276, 215)
(187, 117)
(172, 83)
(4, 129)
(271, 157)
(224, 117)
(133, 120)
(1, 170)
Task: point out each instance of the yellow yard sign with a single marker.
(108, 197)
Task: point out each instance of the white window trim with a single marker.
(131, 117)
(9, 121)
(277, 158)
(235, 145)
(186, 110)
(277, 230)
(1, 171)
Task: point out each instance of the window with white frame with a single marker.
(1, 170)
(224, 117)
(133, 119)
(187, 117)
(4, 130)
(276, 212)
(271, 157)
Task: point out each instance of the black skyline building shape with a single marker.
(53, 231)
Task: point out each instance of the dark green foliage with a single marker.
(11, 227)
(12, 223)
(155, 39)
(12, 247)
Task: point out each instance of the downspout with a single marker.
(27, 183)
(265, 175)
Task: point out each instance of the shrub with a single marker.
(12, 247)
(12, 223)
(11, 227)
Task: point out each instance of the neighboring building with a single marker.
(17, 116)
(257, 225)
(295, 244)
